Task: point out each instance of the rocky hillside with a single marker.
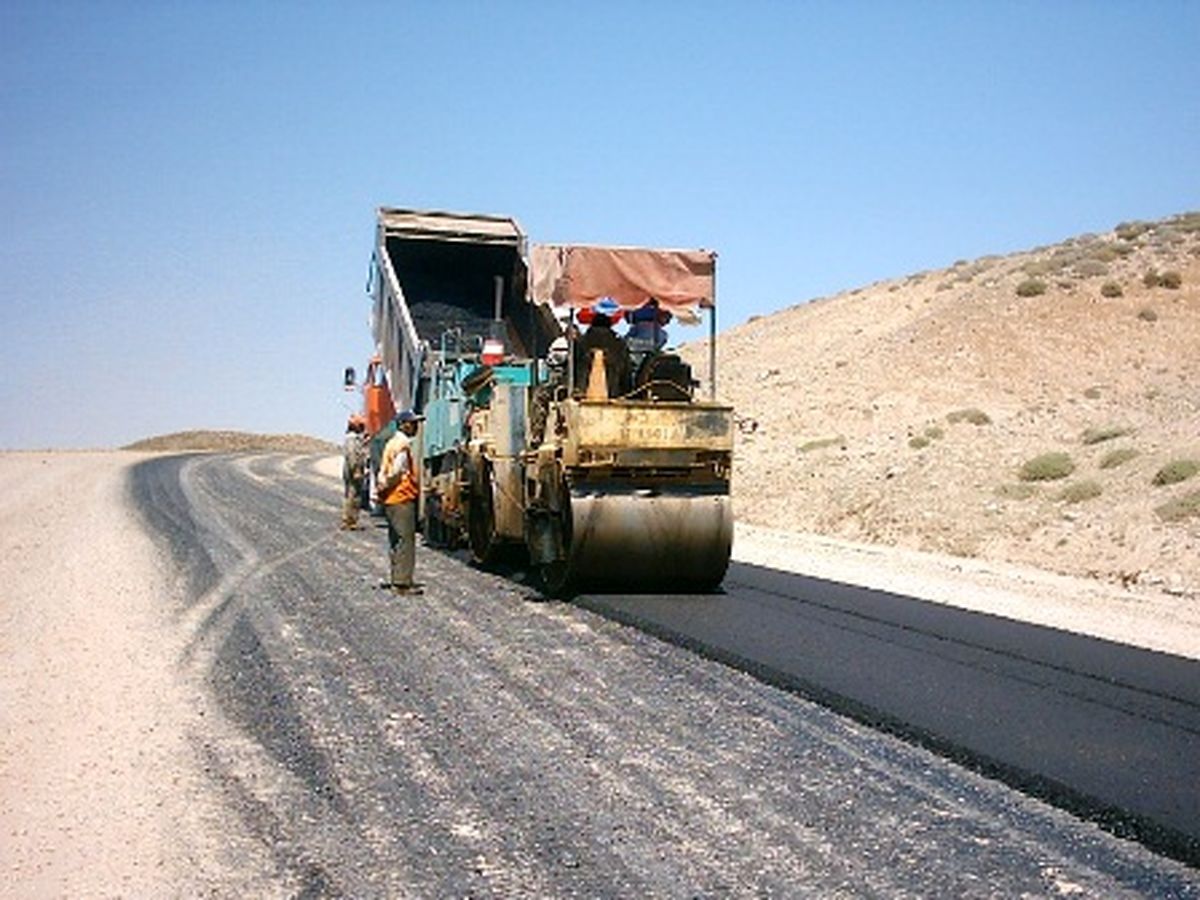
(1040, 408)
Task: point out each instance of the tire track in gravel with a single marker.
(472, 742)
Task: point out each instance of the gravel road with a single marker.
(205, 692)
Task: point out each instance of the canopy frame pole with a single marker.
(571, 351)
(712, 341)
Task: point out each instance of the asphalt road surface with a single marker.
(1106, 730)
(478, 741)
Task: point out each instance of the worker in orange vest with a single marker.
(398, 490)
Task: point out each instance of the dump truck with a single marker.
(525, 448)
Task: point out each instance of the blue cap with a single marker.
(408, 416)
(607, 306)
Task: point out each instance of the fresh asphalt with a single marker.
(1109, 731)
(480, 741)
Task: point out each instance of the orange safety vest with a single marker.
(407, 489)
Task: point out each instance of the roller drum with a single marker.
(647, 540)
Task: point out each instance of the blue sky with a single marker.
(188, 188)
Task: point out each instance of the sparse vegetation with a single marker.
(1176, 471)
(1128, 231)
(926, 437)
(1092, 393)
(1080, 491)
(1165, 236)
(972, 415)
(1016, 491)
(1091, 268)
(1171, 280)
(1117, 457)
(1111, 289)
(1031, 287)
(1039, 267)
(1146, 314)
(1106, 433)
(1047, 467)
(1151, 279)
(1104, 252)
(1180, 508)
(822, 443)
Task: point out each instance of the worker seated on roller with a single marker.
(646, 332)
(617, 367)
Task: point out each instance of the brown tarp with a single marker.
(578, 276)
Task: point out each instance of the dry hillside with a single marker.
(906, 412)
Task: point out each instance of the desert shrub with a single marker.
(1146, 314)
(1105, 433)
(1167, 235)
(1151, 279)
(1104, 253)
(822, 443)
(1180, 508)
(1175, 471)
(1080, 491)
(1128, 231)
(1091, 268)
(1172, 280)
(1117, 457)
(933, 432)
(972, 415)
(1031, 287)
(1016, 491)
(1092, 393)
(1111, 289)
(1047, 467)
(1039, 267)
(918, 442)
(1188, 222)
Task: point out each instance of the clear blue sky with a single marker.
(188, 188)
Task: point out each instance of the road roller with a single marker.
(560, 425)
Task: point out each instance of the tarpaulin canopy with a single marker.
(578, 276)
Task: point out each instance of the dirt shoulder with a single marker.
(99, 793)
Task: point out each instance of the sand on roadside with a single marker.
(100, 793)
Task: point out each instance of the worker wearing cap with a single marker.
(398, 490)
(600, 336)
(354, 470)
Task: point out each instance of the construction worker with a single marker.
(600, 336)
(354, 471)
(398, 490)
